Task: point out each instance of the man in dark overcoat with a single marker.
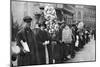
(25, 37)
(42, 38)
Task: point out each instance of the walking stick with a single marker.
(53, 45)
(47, 55)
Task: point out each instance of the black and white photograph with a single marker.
(45, 33)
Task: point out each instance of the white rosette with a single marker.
(49, 12)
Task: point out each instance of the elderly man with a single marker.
(26, 41)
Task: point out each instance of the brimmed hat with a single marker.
(27, 19)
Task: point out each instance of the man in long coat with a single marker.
(25, 37)
(42, 39)
(67, 39)
(56, 47)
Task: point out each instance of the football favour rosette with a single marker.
(49, 12)
(50, 15)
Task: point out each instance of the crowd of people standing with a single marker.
(50, 41)
(47, 48)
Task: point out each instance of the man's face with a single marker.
(42, 27)
(28, 24)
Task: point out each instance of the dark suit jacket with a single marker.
(41, 36)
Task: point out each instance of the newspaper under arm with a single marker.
(25, 46)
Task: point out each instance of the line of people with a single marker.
(36, 46)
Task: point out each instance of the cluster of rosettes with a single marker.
(50, 16)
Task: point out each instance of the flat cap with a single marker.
(27, 19)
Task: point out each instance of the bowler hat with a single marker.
(41, 8)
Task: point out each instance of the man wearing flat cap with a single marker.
(26, 41)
